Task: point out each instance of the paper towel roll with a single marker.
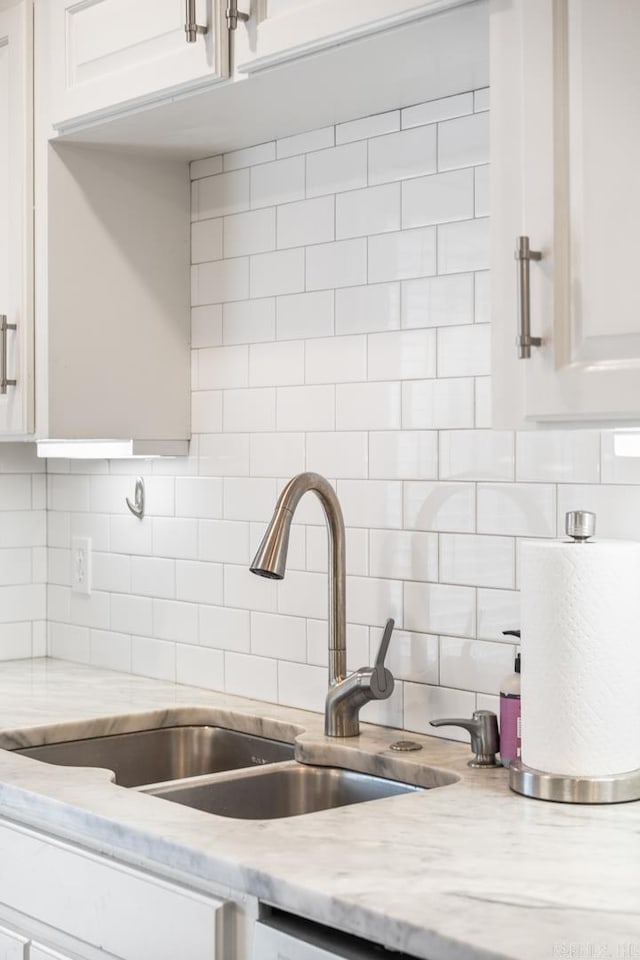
(580, 656)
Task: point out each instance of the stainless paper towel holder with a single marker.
(580, 525)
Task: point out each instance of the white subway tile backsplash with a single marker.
(220, 281)
(249, 498)
(446, 507)
(403, 555)
(438, 199)
(336, 360)
(476, 455)
(498, 610)
(306, 222)
(302, 594)
(281, 363)
(411, 153)
(224, 455)
(249, 321)
(371, 503)
(463, 246)
(302, 685)
(474, 664)
(306, 408)
(617, 508)
(399, 256)
(153, 658)
(278, 182)
(517, 509)
(357, 550)
(254, 677)
(246, 592)
(274, 274)
(249, 156)
(282, 454)
(336, 169)
(339, 264)
(367, 406)
(464, 351)
(175, 620)
(438, 301)
(109, 650)
(222, 367)
(338, 455)
(481, 99)
(305, 142)
(368, 309)
(482, 206)
(198, 582)
(402, 355)
(305, 315)
(367, 211)
(412, 656)
(153, 577)
(206, 240)
(220, 195)
(477, 561)
(174, 537)
(482, 290)
(224, 541)
(205, 168)
(273, 635)
(434, 110)
(373, 126)
(372, 602)
(403, 454)
(249, 410)
(251, 232)
(438, 404)
(464, 141)
(224, 628)
(440, 608)
(206, 411)
(199, 667)
(558, 457)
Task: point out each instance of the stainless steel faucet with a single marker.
(347, 692)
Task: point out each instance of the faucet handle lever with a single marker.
(382, 674)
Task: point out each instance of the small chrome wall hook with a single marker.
(137, 507)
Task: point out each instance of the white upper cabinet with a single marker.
(16, 307)
(108, 53)
(565, 100)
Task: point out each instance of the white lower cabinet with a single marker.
(67, 903)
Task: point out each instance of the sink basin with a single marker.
(165, 753)
(288, 791)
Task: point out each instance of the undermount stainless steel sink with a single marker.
(165, 753)
(288, 791)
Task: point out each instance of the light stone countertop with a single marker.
(462, 872)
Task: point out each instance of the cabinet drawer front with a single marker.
(110, 906)
(110, 52)
(12, 945)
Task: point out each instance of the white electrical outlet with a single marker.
(81, 565)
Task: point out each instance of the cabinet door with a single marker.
(108, 53)
(38, 952)
(12, 945)
(16, 400)
(566, 154)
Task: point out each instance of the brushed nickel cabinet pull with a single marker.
(4, 326)
(191, 28)
(524, 340)
(233, 15)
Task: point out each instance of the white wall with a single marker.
(340, 324)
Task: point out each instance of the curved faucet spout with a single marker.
(271, 558)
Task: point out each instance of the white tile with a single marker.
(91, 525)
(357, 550)
(368, 309)
(153, 658)
(111, 572)
(206, 326)
(305, 142)
(220, 195)
(277, 182)
(58, 603)
(29, 602)
(440, 608)
(206, 411)
(370, 210)
(249, 498)
(434, 110)
(281, 363)
(198, 667)
(303, 594)
(153, 577)
(438, 301)
(614, 467)
(175, 620)
(224, 455)
(340, 264)
(174, 537)
(398, 156)
(424, 703)
(481, 99)
(337, 169)
(617, 508)
(337, 455)
(476, 455)
(249, 321)
(109, 650)
(477, 561)
(371, 503)
(517, 509)
(483, 402)
(463, 142)
(15, 566)
(223, 541)
(58, 566)
(437, 199)
(389, 712)
(199, 497)
(255, 677)
(251, 232)
(68, 493)
(372, 602)
(206, 240)
(277, 454)
(92, 611)
(306, 408)
(205, 168)
(464, 351)
(463, 246)
(38, 491)
(69, 643)
(403, 454)
(253, 410)
(372, 126)
(220, 281)
(498, 610)
(274, 274)
(160, 496)
(199, 582)
(128, 535)
(474, 664)
(482, 283)
(305, 222)
(570, 456)
(399, 256)
(336, 360)
(439, 506)
(223, 367)
(482, 206)
(402, 355)
(438, 404)
(403, 555)
(223, 628)
(368, 406)
(305, 315)
(302, 685)
(412, 656)
(108, 493)
(27, 528)
(273, 635)
(249, 156)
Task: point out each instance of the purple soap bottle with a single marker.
(510, 712)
